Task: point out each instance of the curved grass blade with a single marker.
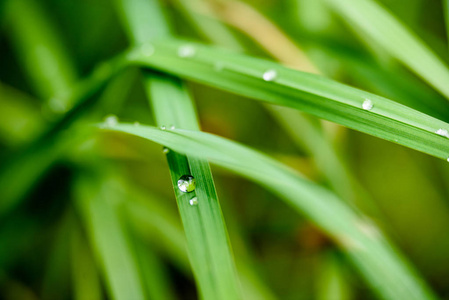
(207, 239)
(310, 93)
(371, 253)
(280, 47)
(371, 19)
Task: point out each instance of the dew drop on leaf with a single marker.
(110, 121)
(367, 104)
(270, 75)
(193, 201)
(186, 183)
(442, 132)
(186, 51)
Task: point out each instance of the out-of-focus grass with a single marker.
(48, 250)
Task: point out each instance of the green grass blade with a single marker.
(154, 273)
(20, 119)
(99, 201)
(310, 93)
(311, 137)
(333, 284)
(42, 54)
(376, 259)
(85, 277)
(152, 221)
(23, 170)
(371, 19)
(209, 249)
(208, 243)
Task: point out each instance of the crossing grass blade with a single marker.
(24, 169)
(371, 253)
(369, 18)
(207, 239)
(311, 137)
(313, 94)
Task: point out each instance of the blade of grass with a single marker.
(46, 61)
(382, 266)
(153, 221)
(20, 120)
(311, 137)
(154, 273)
(208, 243)
(24, 169)
(99, 201)
(56, 279)
(371, 19)
(310, 93)
(333, 284)
(85, 277)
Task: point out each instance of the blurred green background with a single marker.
(46, 251)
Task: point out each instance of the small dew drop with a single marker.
(270, 75)
(165, 150)
(186, 183)
(186, 51)
(442, 132)
(110, 121)
(193, 201)
(367, 104)
(147, 49)
(163, 127)
(172, 127)
(137, 124)
(447, 159)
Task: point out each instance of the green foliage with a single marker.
(91, 212)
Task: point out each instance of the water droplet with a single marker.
(186, 51)
(110, 121)
(163, 127)
(165, 150)
(447, 159)
(137, 124)
(442, 132)
(367, 104)
(186, 183)
(172, 127)
(147, 49)
(193, 201)
(270, 75)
